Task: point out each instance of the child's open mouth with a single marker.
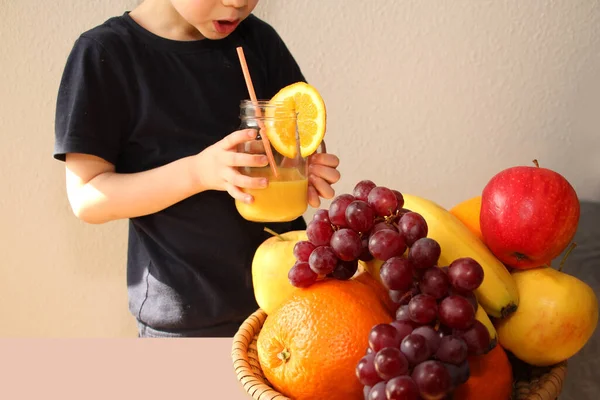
(226, 26)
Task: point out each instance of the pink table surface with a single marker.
(145, 369)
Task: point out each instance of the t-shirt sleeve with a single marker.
(91, 111)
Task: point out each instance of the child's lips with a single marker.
(226, 26)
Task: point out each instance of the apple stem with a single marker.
(569, 250)
(536, 163)
(406, 296)
(272, 232)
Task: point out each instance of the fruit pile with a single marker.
(456, 292)
(360, 226)
(424, 351)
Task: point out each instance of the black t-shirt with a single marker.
(141, 101)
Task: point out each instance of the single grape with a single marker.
(383, 335)
(452, 350)
(459, 374)
(401, 388)
(396, 274)
(415, 348)
(477, 338)
(319, 233)
(424, 253)
(346, 244)
(362, 189)
(321, 215)
(403, 314)
(399, 199)
(360, 217)
(404, 328)
(431, 335)
(470, 296)
(337, 209)
(383, 201)
(345, 270)
(413, 227)
(423, 309)
(432, 379)
(390, 362)
(434, 282)
(301, 275)
(365, 370)
(386, 244)
(456, 312)
(377, 392)
(365, 254)
(380, 226)
(323, 260)
(465, 274)
(302, 250)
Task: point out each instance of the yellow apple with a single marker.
(270, 266)
(557, 315)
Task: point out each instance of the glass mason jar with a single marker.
(286, 196)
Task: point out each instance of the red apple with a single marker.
(529, 215)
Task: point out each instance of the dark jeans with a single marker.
(228, 330)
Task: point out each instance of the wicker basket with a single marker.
(530, 383)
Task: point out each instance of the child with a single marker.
(145, 114)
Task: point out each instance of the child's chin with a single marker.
(214, 35)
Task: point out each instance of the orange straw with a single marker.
(265, 140)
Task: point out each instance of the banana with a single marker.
(373, 267)
(482, 317)
(498, 293)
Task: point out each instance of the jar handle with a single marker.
(322, 147)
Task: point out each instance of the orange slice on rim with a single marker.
(311, 121)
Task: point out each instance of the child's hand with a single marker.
(215, 167)
(322, 173)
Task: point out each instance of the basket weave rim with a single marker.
(248, 371)
(548, 386)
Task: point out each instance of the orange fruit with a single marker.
(468, 213)
(491, 377)
(311, 120)
(377, 287)
(310, 346)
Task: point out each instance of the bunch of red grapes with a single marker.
(423, 353)
(368, 223)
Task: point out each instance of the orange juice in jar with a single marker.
(286, 196)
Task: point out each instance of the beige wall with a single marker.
(428, 98)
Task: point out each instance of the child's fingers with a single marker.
(246, 182)
(238, 194)
(329, 174)
(255, 147)
(322, 187)
(313, 197)
(326, 159)
(246, 160)
(233, 139)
